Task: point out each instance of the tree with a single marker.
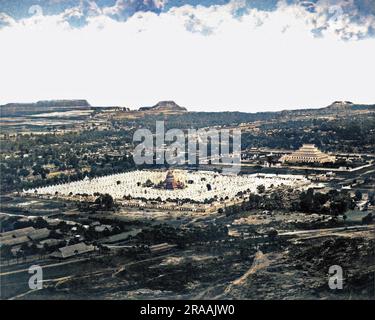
(40, 223)
(23, 172)
(73, 161)
(338, 207)
(105, 201)
(272, 234)
(39, 170)
(261, 188)
(306, 200)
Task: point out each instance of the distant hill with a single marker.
(335, 108)
(347, 105)
(164, 106)
(181, 114)
(340, 104)
(21, 109)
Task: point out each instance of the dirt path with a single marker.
(260, 262)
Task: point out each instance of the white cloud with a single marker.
(6, 20)
(259, 61)
(122, 5)
(341, 17)
(117, 8)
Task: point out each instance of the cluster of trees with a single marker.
(181, 236)
(255, 201)
(331, 203)
(14, 222)
(103, 202)
(37, 155)
(352, 132)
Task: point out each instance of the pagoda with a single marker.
(171, 183)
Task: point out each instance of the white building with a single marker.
(307, 153)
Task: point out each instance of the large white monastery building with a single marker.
(307, 153)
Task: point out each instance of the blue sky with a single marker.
(18, 9)
(249, 55)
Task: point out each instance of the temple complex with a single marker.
(307, 153)
(174, 185)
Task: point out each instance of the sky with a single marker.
(210, 55)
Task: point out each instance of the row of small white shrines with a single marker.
(131, 184)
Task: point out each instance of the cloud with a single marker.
(348, 18)
(199, 56)
(6, 21)
(343, 17)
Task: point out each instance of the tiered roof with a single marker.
(308, 153)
